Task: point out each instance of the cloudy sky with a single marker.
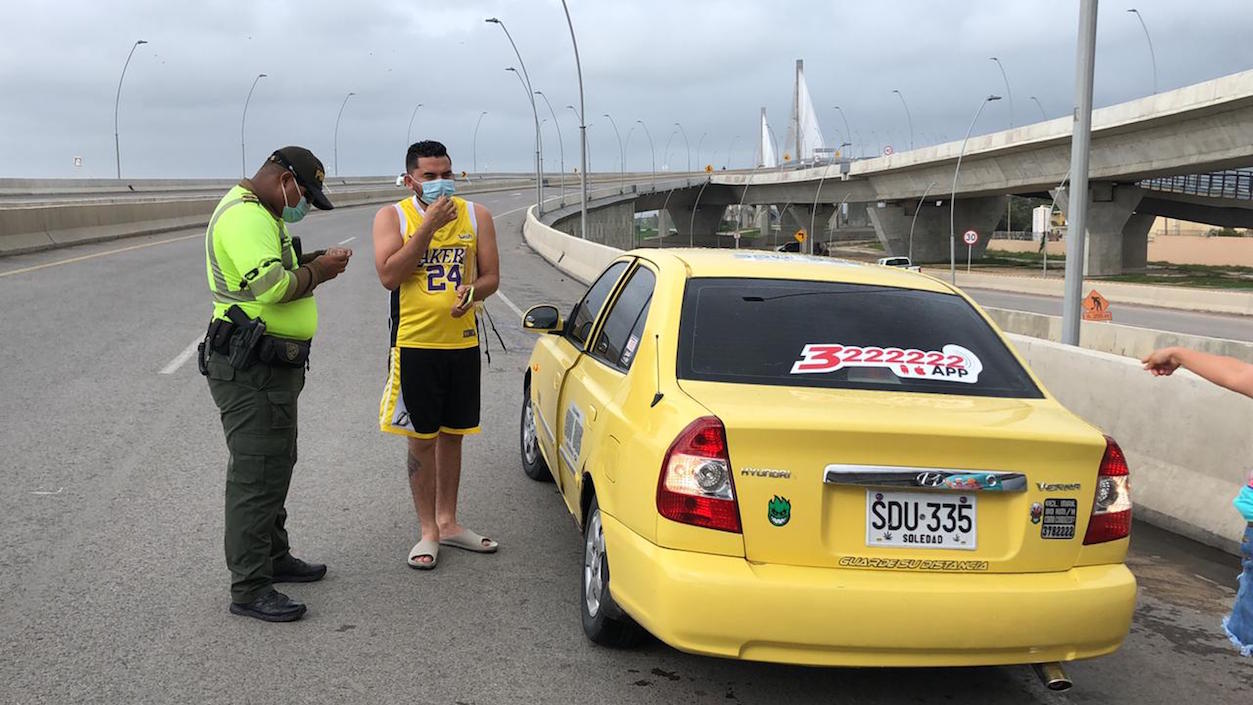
(708, 64)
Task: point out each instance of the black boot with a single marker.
(273, 606)
(290, 569)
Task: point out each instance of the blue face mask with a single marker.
(432, 190)
(294, 214)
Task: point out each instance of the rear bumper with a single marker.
(726, 606)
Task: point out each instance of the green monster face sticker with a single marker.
(779, 510)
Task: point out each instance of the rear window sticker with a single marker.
(795, 258)
(1059, 519)
(953, 363)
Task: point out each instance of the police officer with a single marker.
(255, 356)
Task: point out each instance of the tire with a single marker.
(603, 621)
(532, 459)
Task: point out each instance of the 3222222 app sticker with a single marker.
(953, 363)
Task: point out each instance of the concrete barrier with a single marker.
(1128, 341)
(1176, 297)
(31, 228)
(1187, 441)
(581, 259)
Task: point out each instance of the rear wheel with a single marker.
(603, 621)
(532, 460)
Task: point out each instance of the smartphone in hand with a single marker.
(467, 297)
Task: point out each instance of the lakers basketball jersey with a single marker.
(421, 315)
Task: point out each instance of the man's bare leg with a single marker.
(448, 470)
(422, 466)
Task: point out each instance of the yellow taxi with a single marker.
(803, 460)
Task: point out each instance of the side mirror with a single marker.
(542, 319)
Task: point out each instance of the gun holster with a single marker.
(245, 338)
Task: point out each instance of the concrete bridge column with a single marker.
(931, 232)
(1118, 237)
(699, 227)
(663, 224)
(806, 217)
(612, 225)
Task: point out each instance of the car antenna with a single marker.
(657, 360)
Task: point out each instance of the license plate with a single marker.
(920, 520)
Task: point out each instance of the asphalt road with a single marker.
(111, 526)
(1214, 325)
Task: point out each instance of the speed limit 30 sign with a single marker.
(970, 237)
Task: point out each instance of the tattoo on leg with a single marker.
(415, 465)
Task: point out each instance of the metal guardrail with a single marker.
(1235, 184)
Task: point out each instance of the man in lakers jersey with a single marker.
(437, 255)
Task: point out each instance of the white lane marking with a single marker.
(345, 242)
(512, 306)
(182, 357)
(97, 254)
(45, 492)
(515, 210)
(519, 193)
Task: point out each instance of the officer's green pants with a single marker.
(258, 409)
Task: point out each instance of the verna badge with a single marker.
(779, 510)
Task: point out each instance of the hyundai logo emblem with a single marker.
(929, 479)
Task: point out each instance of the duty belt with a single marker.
(244, 341)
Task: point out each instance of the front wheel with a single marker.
(603, 621)
(532, 460)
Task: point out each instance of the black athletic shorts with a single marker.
(431, 391)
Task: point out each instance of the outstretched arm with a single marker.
(1227, 372)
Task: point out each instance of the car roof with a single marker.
(764, 264)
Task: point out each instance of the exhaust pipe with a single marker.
(1052, 676)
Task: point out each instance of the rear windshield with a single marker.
(842, 336)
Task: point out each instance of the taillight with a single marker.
(1111, 509)
(696, 486)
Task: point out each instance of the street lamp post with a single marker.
(561, 145)
(1152, 55)
(652, 151)
(621, 154)
(908, 117)
(687, 145)
(243, 152)
(1009, 198)
(475, 141)
(846, 130)
(409, 130)
(730, 148)
(700, 142)
(117, 144)
(337, 117)
(530, 96)
(1008, 92)
(1043, 114)
(952, 204)
(1080, 153)
(665, 152)
(539, 166)
(582, 125)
